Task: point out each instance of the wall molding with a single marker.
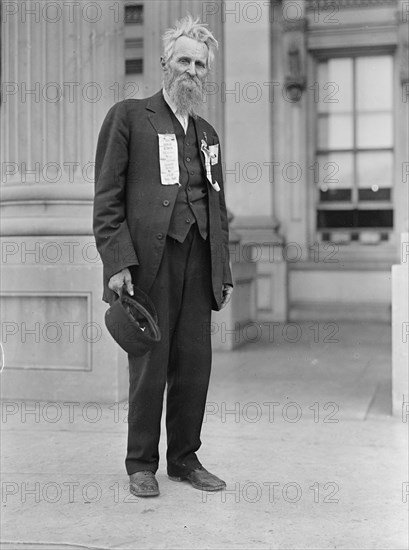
(349, 4)
(39, 338)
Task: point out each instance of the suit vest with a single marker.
(191, 202)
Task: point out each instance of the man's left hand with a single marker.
(226, 295)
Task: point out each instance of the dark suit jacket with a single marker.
(132, 209)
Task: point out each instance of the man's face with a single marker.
(185, 74)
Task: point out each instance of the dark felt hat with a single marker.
(133, 322)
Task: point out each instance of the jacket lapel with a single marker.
(200, 134)
(159, 115)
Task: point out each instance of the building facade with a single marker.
(310, 99)
(314, 97)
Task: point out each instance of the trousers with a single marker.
(182, 295)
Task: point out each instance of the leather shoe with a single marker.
(201, 479)
(143, 484)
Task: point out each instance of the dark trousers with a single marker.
(182, 294)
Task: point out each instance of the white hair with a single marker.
(192, 28)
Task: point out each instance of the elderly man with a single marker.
(160, 224)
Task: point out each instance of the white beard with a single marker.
(185, 92)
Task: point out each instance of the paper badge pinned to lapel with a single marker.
(168, 159)
(211, 157)
(214, 153)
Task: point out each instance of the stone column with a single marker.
(62, 68)
(249, 95)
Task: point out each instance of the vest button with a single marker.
(159, 236)
(166, 203)
(187, 220)
(187, 159)
(192, 173)
(189, 188)
(187, 143)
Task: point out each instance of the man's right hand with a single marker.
(121, 279)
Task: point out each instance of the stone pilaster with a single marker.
(291, 149)
(249, 94)
(400, 331)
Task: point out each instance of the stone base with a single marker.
(56, 346)
(261, 245)
(55, 343)
(228, 328)
(319, 292)
(400, 341)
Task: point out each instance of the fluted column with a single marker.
(63, 67)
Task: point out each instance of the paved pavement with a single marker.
(298, 424)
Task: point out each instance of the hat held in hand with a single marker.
(133, 322)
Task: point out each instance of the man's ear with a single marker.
(163, 63)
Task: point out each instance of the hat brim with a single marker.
(133, 323)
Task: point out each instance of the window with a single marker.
(133, 66)
(134, 14)
(134, 55)
(354, 149)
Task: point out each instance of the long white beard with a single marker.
(186, 93)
